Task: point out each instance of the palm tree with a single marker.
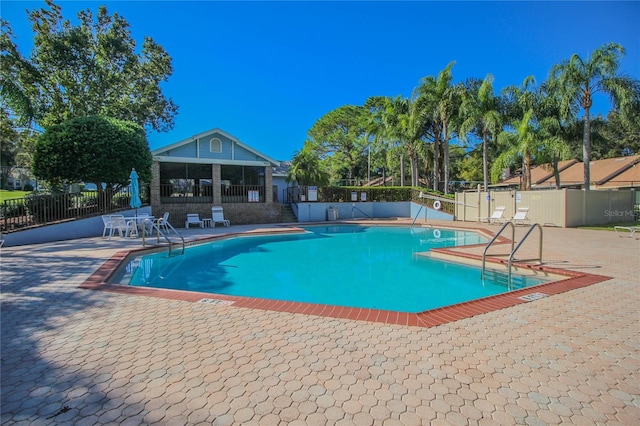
(578, 80)
(534, 113)
(401, 123)
(480, 115)
(440, 102)
(528, 140)
(306, 168)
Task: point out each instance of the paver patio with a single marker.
(75, 356)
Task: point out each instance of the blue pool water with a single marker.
(344, 265)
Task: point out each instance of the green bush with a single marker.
(12, 210)
(48, 207)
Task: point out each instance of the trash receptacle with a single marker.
(332, 213)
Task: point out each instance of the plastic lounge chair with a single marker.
(192, 219)
(162, 222)
(218, 217)
(627, 231)
(496, 216)
(521, 216)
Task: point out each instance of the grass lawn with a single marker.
(6, 194)
(609, 226)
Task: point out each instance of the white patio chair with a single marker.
(496, 216)
(193, 219)
(163, 222)
(117, 223)
(217, 216)
(521, 216)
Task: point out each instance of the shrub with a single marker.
(48, 207)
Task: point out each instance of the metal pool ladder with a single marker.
(155, 226)
(513, 251)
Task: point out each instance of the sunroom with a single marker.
(214, 168)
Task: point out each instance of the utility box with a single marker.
(332, 213)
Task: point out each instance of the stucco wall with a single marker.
(565, 207)
(81, 228)
(317, 212)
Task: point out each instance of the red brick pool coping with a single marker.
(99, 280)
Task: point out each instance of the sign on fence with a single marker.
(312, 191)
(254, 196)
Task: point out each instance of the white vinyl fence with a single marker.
(564, 208)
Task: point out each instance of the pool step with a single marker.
(501, 278)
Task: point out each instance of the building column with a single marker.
(156, 206)
(268, 183)
(217, 184)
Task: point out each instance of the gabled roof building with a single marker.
(609, 173)
(211, 168)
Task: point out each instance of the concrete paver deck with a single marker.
(74, 356)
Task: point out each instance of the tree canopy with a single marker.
(539, 124)
(306, 168)
(342, 134)
(85, 70)
(577, 80)
(93, 150)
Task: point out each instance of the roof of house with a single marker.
(216, 130)
(541, 173)
(600, 171)
(626, 179)
(609, 173)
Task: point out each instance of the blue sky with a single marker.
(266, 71)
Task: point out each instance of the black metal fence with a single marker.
(170, 193)
(44, 209)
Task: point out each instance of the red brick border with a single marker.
(99, 281)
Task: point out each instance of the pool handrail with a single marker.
(353, 207)
(154, 225)
(513, 251)
(495, 237)
(417, 214)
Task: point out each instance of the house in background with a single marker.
(214, 168)
(17, 178)
(608, 173)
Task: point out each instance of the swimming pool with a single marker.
(376, 267)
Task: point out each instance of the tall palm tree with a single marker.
(306, 168)
(527, 140)
(578, 80)
(440, 101)
(402, 124)
(533, 110)
(480, 115)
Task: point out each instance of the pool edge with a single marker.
(430, 318)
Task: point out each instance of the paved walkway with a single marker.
(73, 356)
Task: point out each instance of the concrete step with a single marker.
(287, 214)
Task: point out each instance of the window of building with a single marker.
(243, 175)
(215, 145)
(186, 180)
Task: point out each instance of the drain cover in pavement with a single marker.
(533, 296)
(217, 302)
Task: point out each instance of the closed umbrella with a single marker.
(135, 201)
